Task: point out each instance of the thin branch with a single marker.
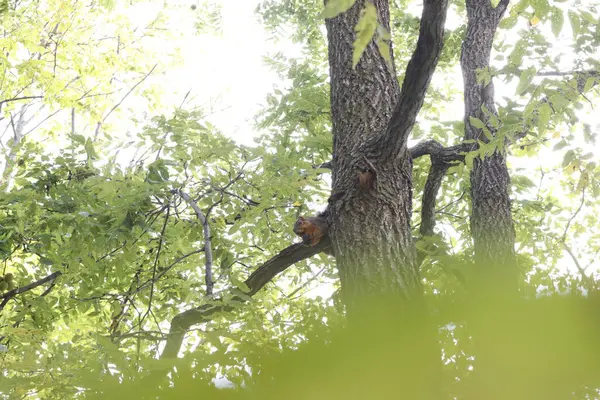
(155, 264)
(589, 281)
(573, 216)
(165, 270)
(439, 152)
(305, 284)
(551, 73)
(185, 98)
(42, 121)
(2, 102)
(208, 275)
(123, 99)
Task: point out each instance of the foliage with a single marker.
(125, 252)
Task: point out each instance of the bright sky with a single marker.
(226, 71)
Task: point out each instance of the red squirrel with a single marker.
(311, 229)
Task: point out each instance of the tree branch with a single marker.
(207, 242)
(417, 77)
(99, 125)
(584, 277)
(12, 293)
(428, 201)
(255, 282)
(443, 154)
(441, 159)
(2, 102)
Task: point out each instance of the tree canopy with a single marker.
(146, 252)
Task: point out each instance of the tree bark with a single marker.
(372, 118)
(491, 220)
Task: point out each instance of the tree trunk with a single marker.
(370, 230)
(371, 203)
(491, 220)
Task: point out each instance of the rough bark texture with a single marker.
(372, 118)
(491, 220)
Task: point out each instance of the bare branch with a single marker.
(589, 281)
(122, 100)
(42, 121)
(443, 154)
(570, 221)
(552, 73)
(441, 159)
(428, 201)
(208, 275)
(2, 102)
(155, 264)
(325, 165)
(259, 278)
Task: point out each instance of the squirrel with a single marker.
(311, 229)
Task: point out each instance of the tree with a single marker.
(105, 255)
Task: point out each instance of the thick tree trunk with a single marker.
(370, 231)
(491, 220)
(371, 202)
(372, 118)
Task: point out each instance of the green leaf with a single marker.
(557, 20)
(544, 116)
(494, 3)
(365, 29)
(569, 157)
(589, 83)
(560, 145)
(476, 122)
(589, 17)
(108, 4)
(240, 285)
(335, 7)
(484, 76)
(89, 149)
(525, 80)
(559, 101)
(469, 160)
(575, 22)
(541, 7)
(383, 36)
(509, 23)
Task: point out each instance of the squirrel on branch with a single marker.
(311, 229)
